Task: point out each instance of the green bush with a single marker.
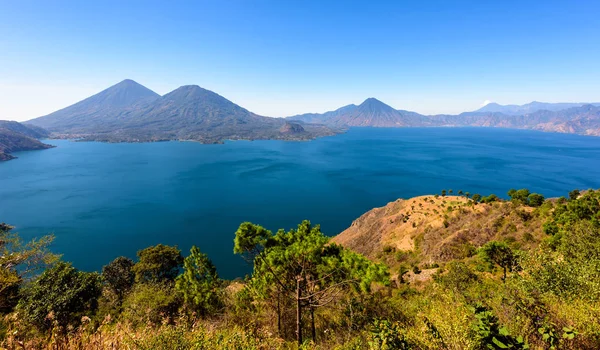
(157, 264)
(457, 277)
(60, 296)
(151, 303)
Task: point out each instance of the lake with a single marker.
(105, 200)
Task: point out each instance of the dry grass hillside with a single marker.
(427, 230)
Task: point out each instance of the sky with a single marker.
(286, 57)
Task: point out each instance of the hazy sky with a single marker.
(285, 57)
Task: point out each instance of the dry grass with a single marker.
(436, 229)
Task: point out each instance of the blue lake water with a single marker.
(105, 200)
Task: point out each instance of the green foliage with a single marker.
(490, 334)
(476, 197)
(386, 335)
(158, 264)
(489, 199)
(554, 302)
(118, 276)
(572, 270)
(151, 303)
(250, 239)
(457, 277)
(200, 284)
(19, 262)
(519, 195)
(443, 193)
(61, 295)
(302, 265)
(574, 194)
(499, 253)
(535, 200)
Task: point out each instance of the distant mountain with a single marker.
(15, 137)
(128, 112)
(531, 107)
(371, 112)
(581, 119)
(27, 130)
(95, 111)
(584, 120)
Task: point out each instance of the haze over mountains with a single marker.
(130, 112)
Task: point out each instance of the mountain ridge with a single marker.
(129, 112)
(531, 107)
(93, 111)
(16, 137)
(584, 119)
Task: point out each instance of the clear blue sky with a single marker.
(285, 57)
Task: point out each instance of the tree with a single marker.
(499, 253)
(519, 195)
(535, 199)
(449, 191)
(460, 192)
(160, 263)
(467, 194)
(19, 262)
(574, 194)
(118, 276)
(476, 197)
(489, 199)
(443, 193)
(62, 294)
(302, 266)
(153, 303)
(199, 284)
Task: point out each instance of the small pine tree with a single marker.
(199, 283)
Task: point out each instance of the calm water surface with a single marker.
(106, 200)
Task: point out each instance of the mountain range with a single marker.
(130, 112)
(575, 118)
(15, 137)
(528, 108)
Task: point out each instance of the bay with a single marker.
(105, 200)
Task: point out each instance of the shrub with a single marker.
(386, 335)
(61, 294)
(118, 276)
(157, 264)
(535, 200)
(151, 303)
(457, 277)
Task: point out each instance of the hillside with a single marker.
(15, 137)
(129, 112)
(430, 230)
(459, 273)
